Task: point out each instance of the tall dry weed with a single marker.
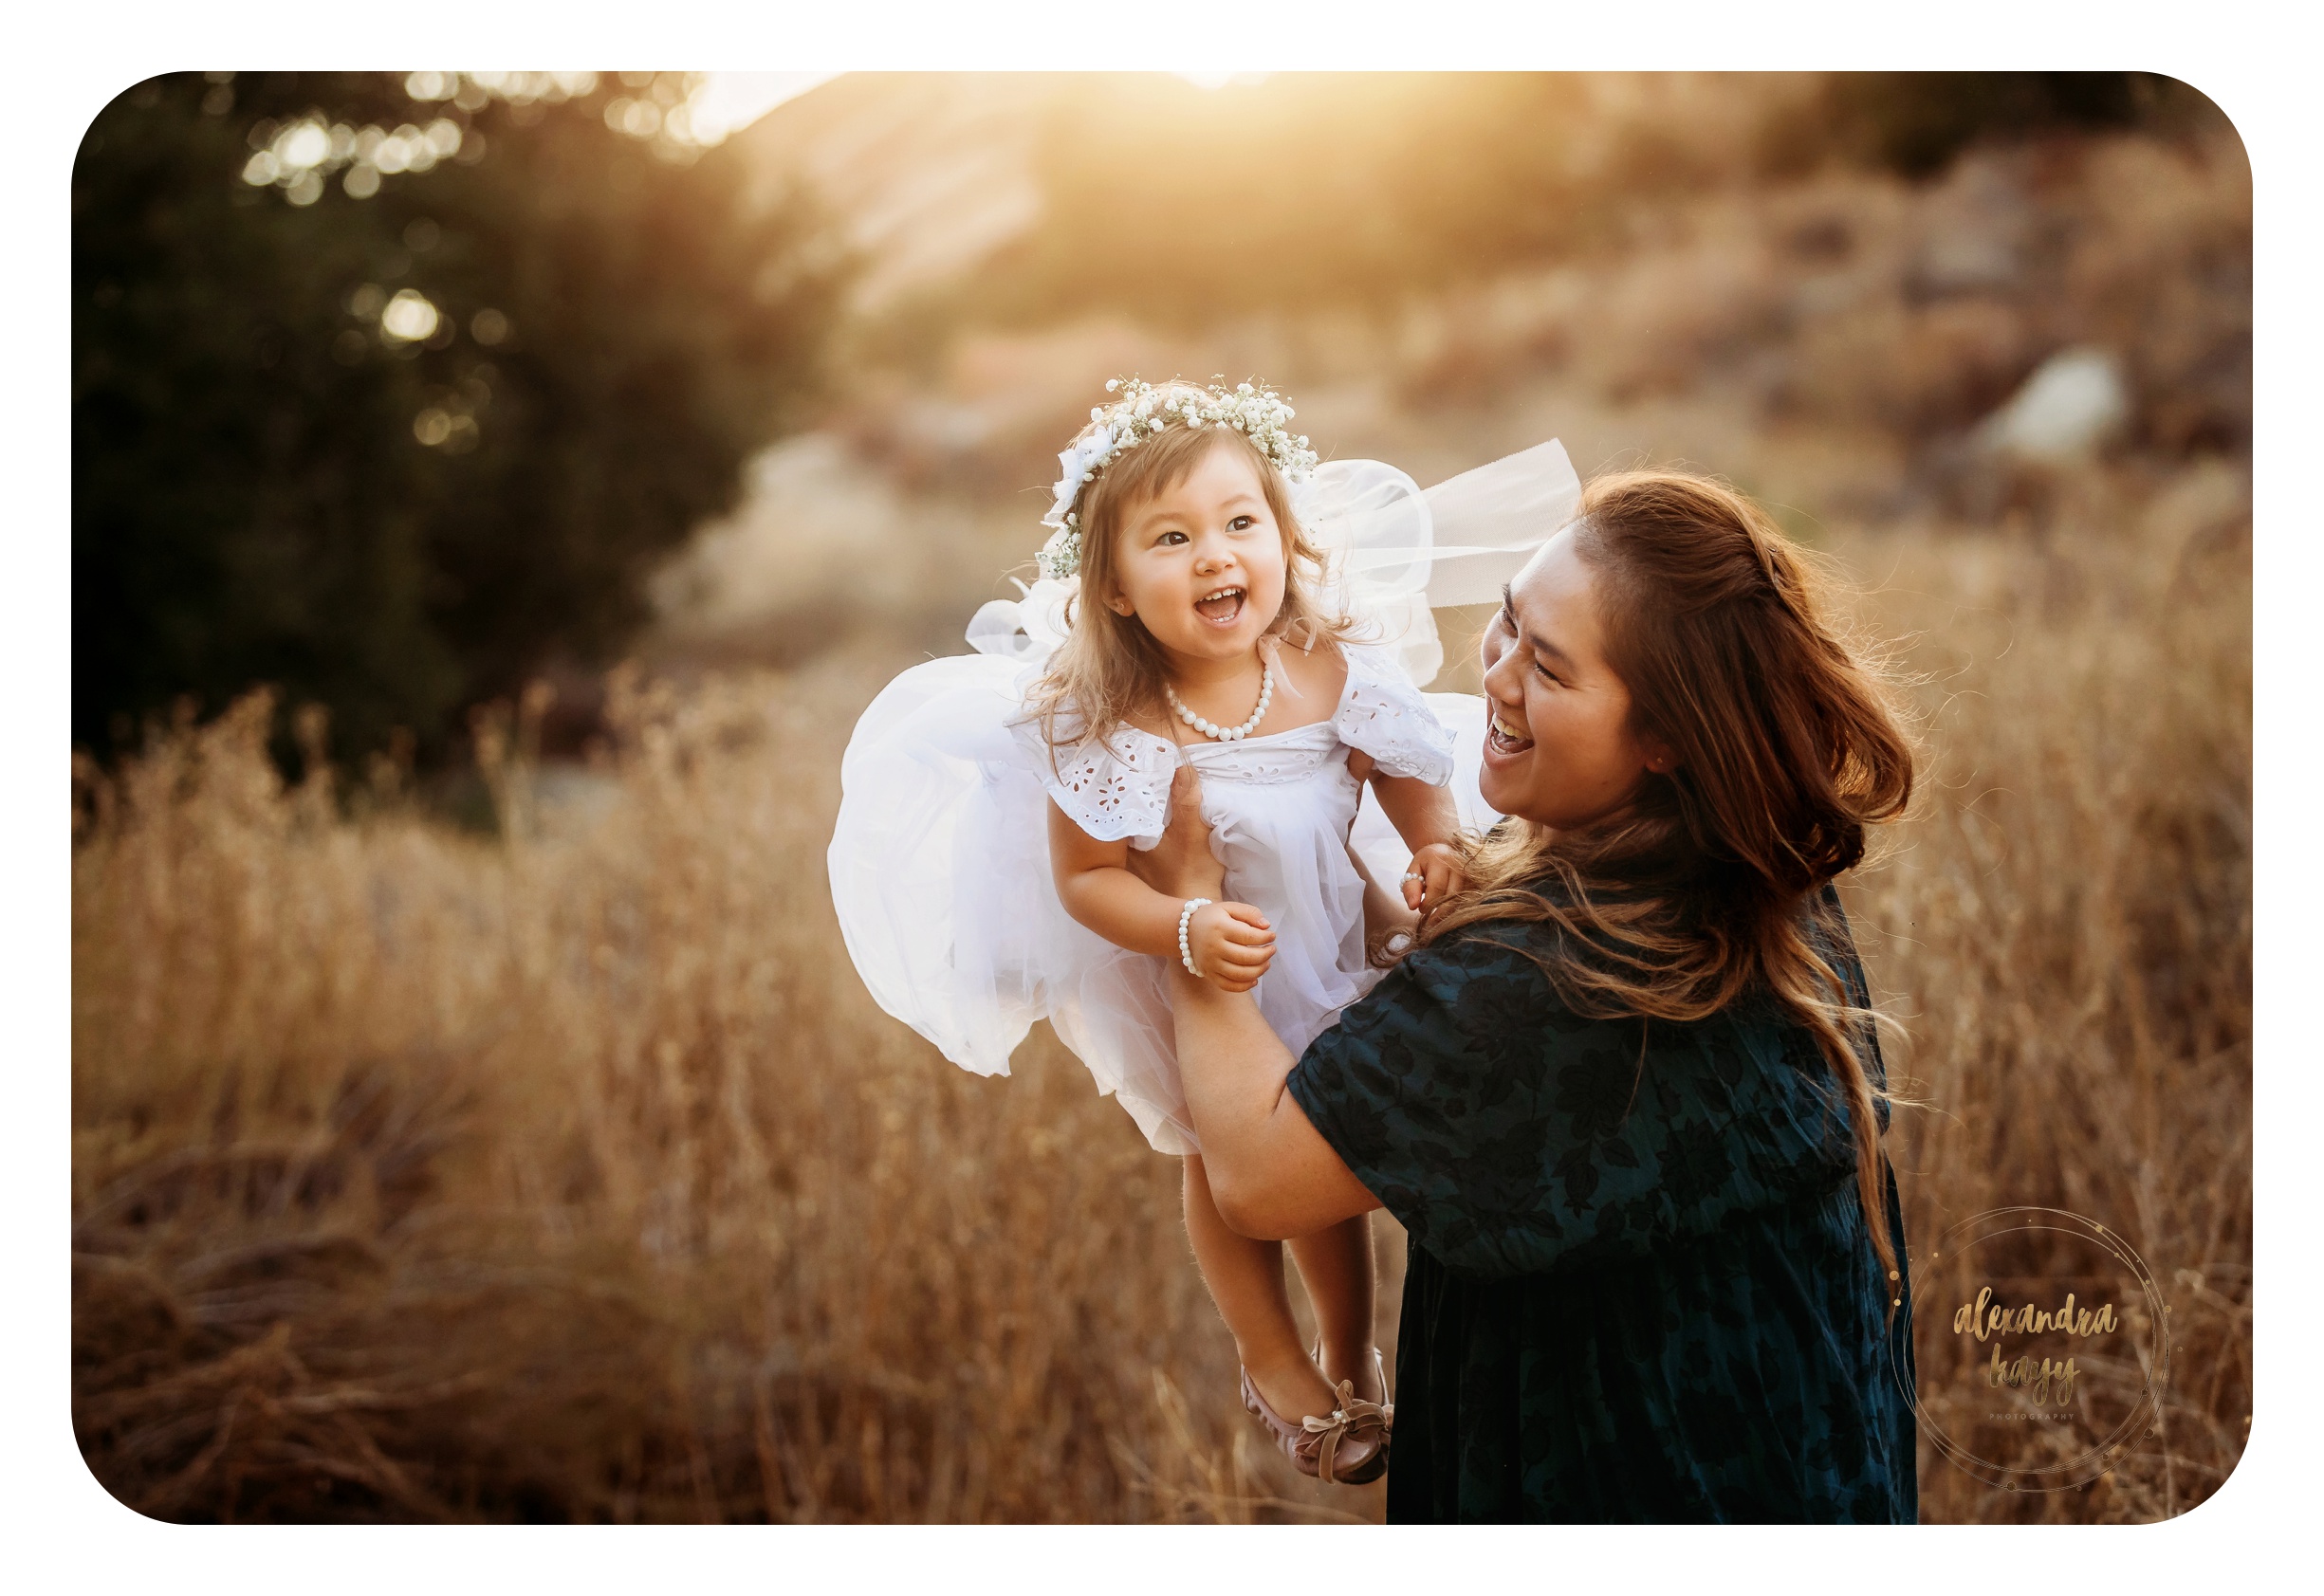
(570, 1174)
(2064, 929)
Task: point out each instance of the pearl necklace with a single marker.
(1228, 734)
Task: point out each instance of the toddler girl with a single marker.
(990, 805)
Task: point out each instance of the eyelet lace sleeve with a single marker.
(1384, 714)
(1115, 789)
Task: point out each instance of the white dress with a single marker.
(940, 862)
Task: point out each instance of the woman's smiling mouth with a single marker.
(1503, 738)
(1221, 606)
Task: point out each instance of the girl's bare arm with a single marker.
(1421, 814)
(1232, 943)
(1427, 819)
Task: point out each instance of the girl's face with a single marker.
(1201, 563)
(1559, 748)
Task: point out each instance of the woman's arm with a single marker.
(1232, 943)
(1271, 1173)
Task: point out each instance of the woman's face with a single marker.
(1201, 563)
(1558, 749)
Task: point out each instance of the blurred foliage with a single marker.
(271, 487)
(1177, 203)
(1916, 123)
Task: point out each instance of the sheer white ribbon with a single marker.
(1027, 629)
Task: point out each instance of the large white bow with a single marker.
(1391, 551)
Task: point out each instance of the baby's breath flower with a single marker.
(1254, 409)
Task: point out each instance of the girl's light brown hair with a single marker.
(1709, 886)
(1108, 670)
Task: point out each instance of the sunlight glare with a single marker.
(731, 101)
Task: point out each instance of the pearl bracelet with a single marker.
(1185, 914)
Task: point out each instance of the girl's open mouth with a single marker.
(1221, 606)
(1503, 738)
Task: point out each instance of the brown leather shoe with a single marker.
(1304, 1449)
(1354, 1440)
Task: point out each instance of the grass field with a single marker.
(569, 1173)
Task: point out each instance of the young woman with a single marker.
(1625, 1095)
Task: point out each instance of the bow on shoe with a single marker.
(1352, 1413)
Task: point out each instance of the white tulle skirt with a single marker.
(940, 874)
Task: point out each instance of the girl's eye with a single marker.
(1168, 538)
(1243, 524)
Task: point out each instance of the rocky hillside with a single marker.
(1854, 344)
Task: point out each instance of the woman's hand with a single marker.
(1181, 865)
(1439, 869)
(1232, 944)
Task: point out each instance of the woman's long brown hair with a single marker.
(1708, 888)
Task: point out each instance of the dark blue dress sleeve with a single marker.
(1512, 1135)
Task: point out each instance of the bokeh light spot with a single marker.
(409, 316)
(301, 145)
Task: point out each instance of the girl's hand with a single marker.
(1232, 945)
(1440, 869)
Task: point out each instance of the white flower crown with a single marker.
(1143, 412)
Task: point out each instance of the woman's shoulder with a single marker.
(1514, 991)
(1476, 998)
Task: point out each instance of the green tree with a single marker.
(390, 399)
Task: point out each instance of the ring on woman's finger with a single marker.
(1414, 875)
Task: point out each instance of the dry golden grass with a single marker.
(570, 1174)
(2065, 930)
(419, 1175)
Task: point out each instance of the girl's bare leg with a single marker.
(1245, 1279)
(1336, 1266)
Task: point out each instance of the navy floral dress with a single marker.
(1639, 1284)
